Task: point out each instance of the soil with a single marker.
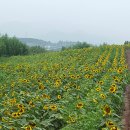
(126, 114)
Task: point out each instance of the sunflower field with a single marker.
(76, 89)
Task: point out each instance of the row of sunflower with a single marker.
(78, 89)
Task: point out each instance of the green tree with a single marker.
(12, 46)
(36, 50)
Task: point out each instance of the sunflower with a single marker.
(53, 107)
(98, 89)
(12, 101)
(72, 76)
(57, 84)
(58, 80)
(109, 124)
(48, 97)
(20, 106)
(25, 81)
(116, 80)
(44, 96)
(32, 124)
(112, 89)
(38, 80)
(12, 128)
(86, 68)
(103, 96)
(119, 71)
(86, 76)
(19, 113)
(41, 86)
(91, 76)
(101, 82)
(21, 110)
(28, 128)
(114, 77)
(15, 115)
(95, 100)
(72, 120)
(31, 104)
(114, 128)
(65, 87)
(79, 105)
(78, 76)
(46, 107)
(58, 96)
(114, 85)
(125, 66)
(7, 112)
(107, 110)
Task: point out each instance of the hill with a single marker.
(47, 44)
(36, 42)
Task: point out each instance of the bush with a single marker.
(78, 45)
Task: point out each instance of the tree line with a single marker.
(78, 45)
(11, 46)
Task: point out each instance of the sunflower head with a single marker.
(107, 110)
(112, 89)
(79, 105)
(109, 124)
(28, 127)
(103, 96)
(98, 89)
(114, 128)
(53, 107)
(46, 107)
(101, 82)
(58, 96)
(32, 124)
(15, 115)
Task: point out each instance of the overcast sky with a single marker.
(94, 21)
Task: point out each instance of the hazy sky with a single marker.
(85, 20)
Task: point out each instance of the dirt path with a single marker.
(127, 98)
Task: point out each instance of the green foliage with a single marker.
(11, 46)
(79, 45)
(77, 89)
(126, 42)
(36, 50)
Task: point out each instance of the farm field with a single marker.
(79, 89)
